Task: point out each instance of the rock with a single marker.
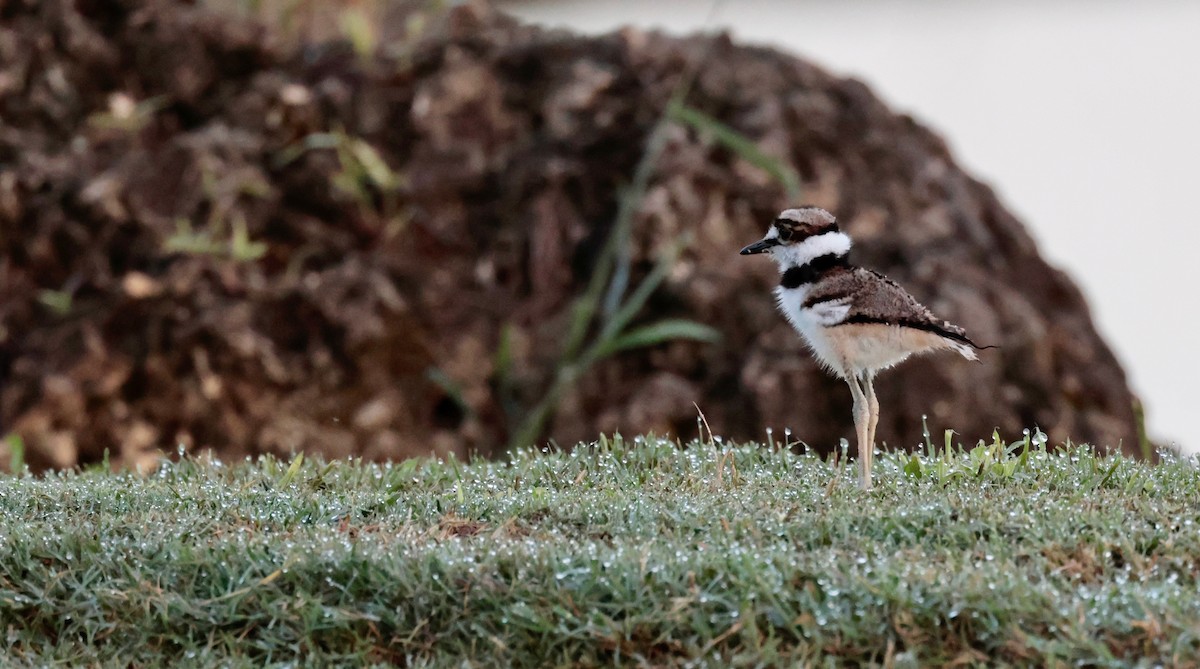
(252, 249)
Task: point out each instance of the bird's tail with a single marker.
(957, 341)
(966, 350)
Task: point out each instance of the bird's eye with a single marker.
(785, 234)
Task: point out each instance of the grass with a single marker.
(617, 552)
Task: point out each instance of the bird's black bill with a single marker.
(760, 246)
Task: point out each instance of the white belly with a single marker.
(812, 324)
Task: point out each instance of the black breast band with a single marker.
(795, 277)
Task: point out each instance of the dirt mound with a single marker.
(209, 240)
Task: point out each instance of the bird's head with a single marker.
(798, 235)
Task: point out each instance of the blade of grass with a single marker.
(658, 333)
(292, 470)
(16, 453)
(1139, 417)
(621, 318)
(589, 303)
(740, 145)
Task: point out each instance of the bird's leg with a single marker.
(862, 418)
(873, 404)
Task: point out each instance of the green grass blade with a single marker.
(621, 318)
(743, 147)
(660, 333)
(16, 453)
(292, 470)
(615, 247)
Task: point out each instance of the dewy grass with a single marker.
(618, 552)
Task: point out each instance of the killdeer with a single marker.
(856, 321)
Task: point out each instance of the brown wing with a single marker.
(874, 298)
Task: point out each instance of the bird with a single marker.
(857, 322)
